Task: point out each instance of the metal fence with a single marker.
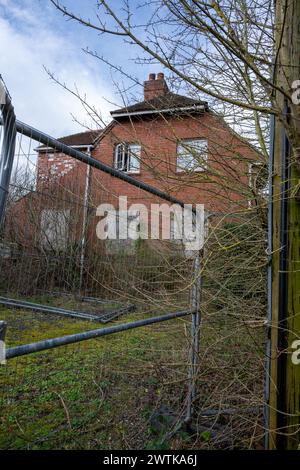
(69, 381)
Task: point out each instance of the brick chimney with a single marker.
(155, 87)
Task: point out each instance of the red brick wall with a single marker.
(58, 167)
(220, 188)
(227, 163)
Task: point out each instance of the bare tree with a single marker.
(223, 51)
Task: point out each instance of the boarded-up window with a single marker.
(124, 242)
(54, 229)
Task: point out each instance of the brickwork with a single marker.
(222, 184)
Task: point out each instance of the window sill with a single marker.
(129, 172)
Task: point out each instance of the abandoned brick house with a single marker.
(171, 142)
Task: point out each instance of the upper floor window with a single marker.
(192, 155)
(128, 157)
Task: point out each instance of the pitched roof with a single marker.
(82, 138)
(167, 102)
(76, 140)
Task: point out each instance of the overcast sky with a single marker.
(32, 35)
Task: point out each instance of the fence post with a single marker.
(195, 336)
(8, 145)
(3, 325)
(84, 221)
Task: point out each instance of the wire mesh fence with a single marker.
(103, 393)
(51, 283)
(130, 390)
(139, 388)
(49, 242)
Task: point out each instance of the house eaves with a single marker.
(43, 149)
(194, 108)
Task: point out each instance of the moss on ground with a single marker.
(90, 395)
(103, 393)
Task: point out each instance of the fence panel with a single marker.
(107, 393)
(152, 387)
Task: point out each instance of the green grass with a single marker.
(103, 393)
(89, 395)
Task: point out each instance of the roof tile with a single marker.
(167, 101)
(82, 138)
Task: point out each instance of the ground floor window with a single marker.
(54, 229)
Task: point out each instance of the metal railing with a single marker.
(86, 335)
(153, 290)
(8, 120)
(10, 127)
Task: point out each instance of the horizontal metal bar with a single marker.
(110, 315)
(76, 338)
(230, 411)
(99, 301)
(44, 308)
(49, 141)
(103, 317)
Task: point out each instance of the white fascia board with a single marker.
(159, 111)
(88, 147)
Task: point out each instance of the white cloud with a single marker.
(30, 39)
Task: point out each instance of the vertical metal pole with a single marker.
(270, 277)
(84, 220)
(285, 325)
(283, 289)
(8, 146)
(3, 326)
(194, 353)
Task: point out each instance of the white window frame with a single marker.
(183, 151)
(130, 161)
